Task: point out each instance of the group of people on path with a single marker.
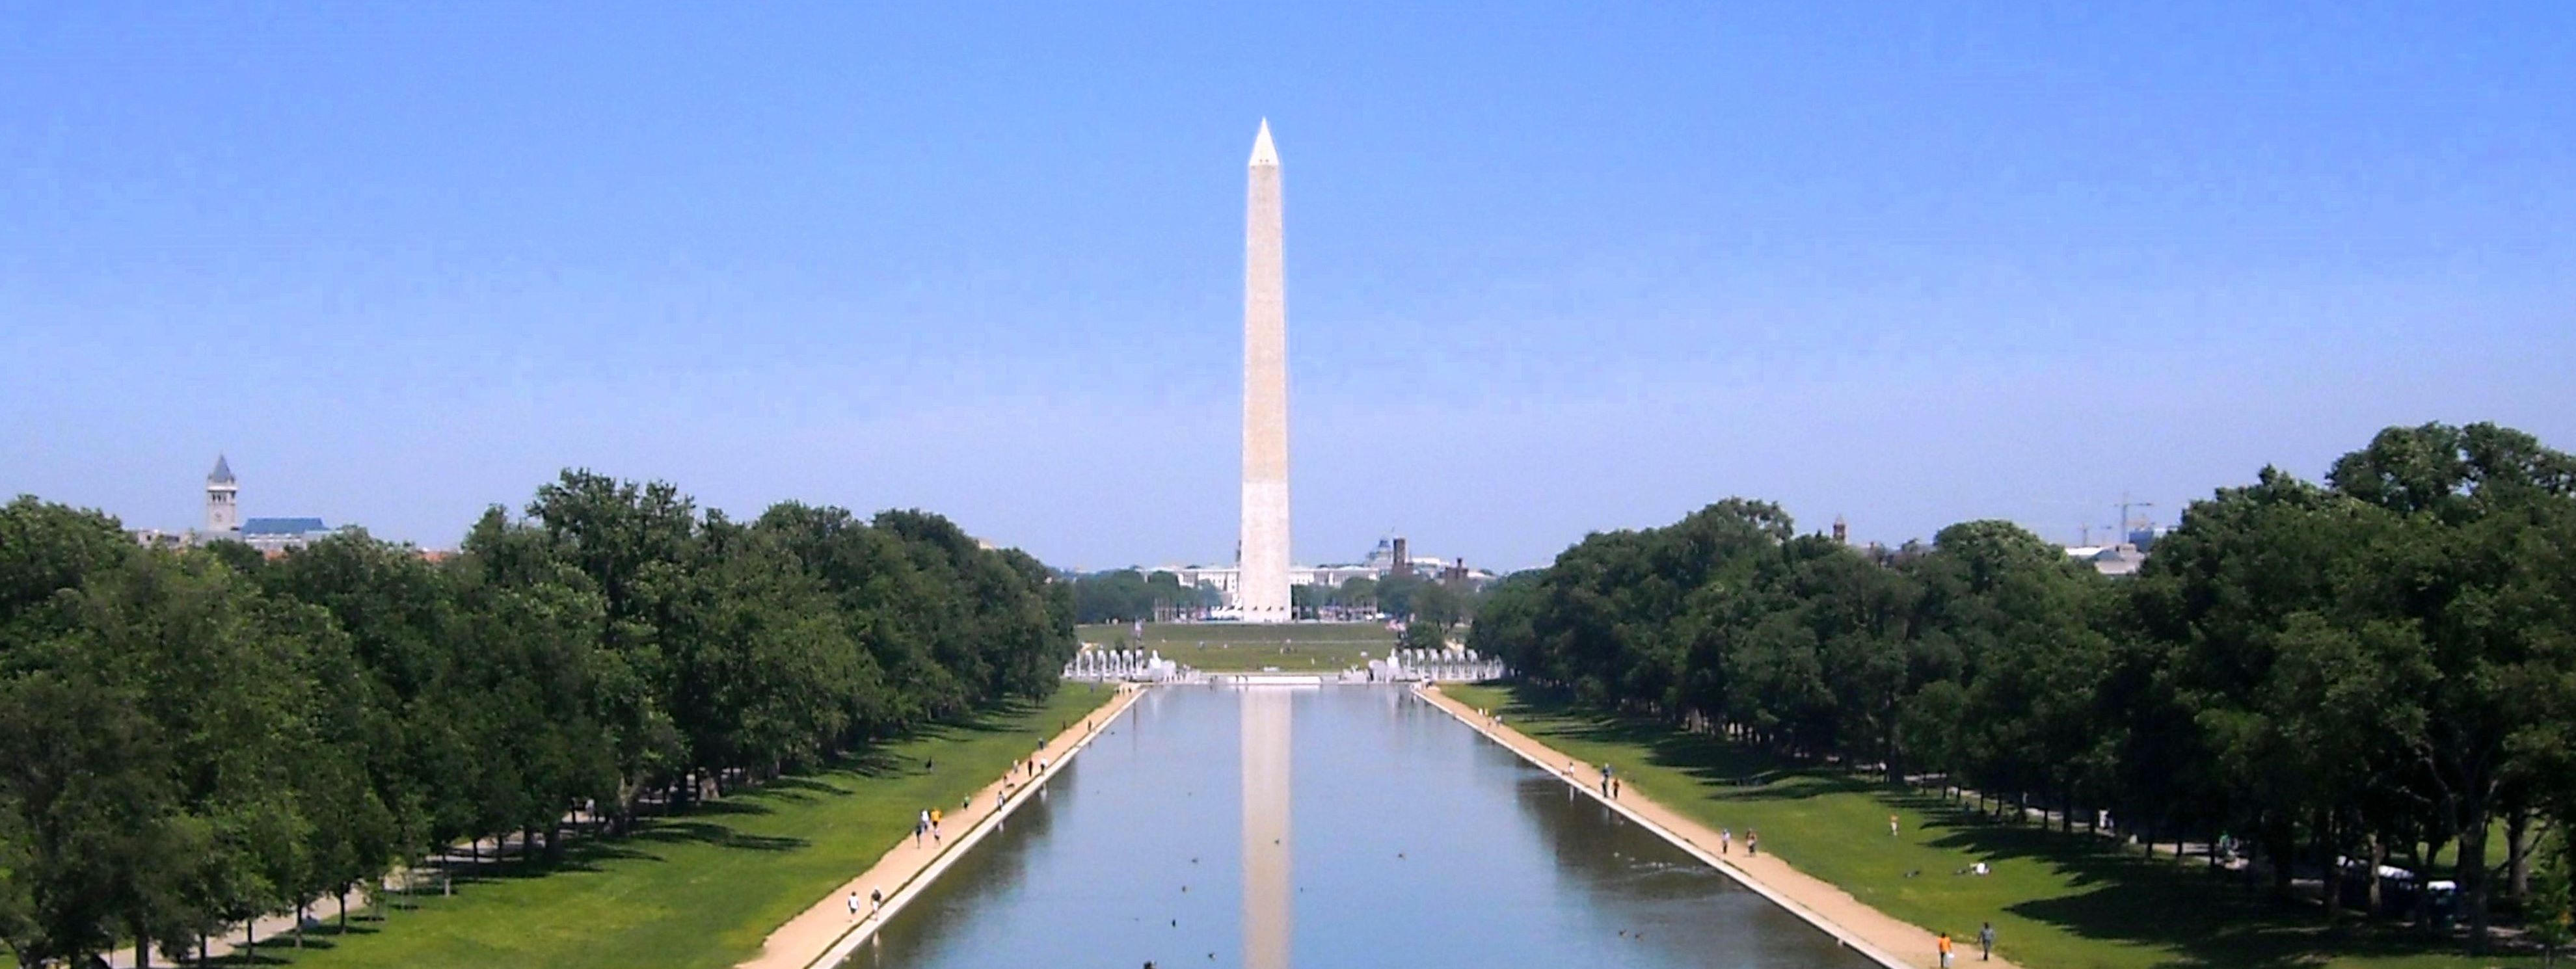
(927, 824)
(1609, 779)
(1943, 946)
(1726, 841)
(1609, 787)
(1985, 945)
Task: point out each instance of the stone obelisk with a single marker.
(1263, 592)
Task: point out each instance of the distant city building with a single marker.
(2123, 558)
(223, 510)
(1392, 556)
(156, 538)
(272, 536)
(278, 535)
(2117, 561)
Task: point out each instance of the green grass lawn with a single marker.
(2058, 901)
(703, 889)
(1233, 647)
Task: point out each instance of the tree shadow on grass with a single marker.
(997, 718)
(2215, 925)
(873, 761)
(330, 928)
(740, 802)
(803, 787)
(261, 957)
(707, 832)
(581, 855)
(1702, 757)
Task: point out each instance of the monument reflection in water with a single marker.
(1267, 903)
(1423, 845)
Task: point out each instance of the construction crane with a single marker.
(2120, 534)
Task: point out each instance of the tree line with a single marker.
(2379, 667)
(192, 738)
(1128, 595)
(1413, 596)
(1131, 595)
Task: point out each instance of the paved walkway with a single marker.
(275, 931)
(1872, 932)
(827, 933)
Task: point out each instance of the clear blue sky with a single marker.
(1551, 269)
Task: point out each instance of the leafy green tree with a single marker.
(2474, 571)
(89, 798)
(2549, 918)
(392, 699)
(2383, 664)
(1127, 595)
(46, 550)
(1358, 593)
(192, 739)
(633, 543)
(1439, 604)
(1423, 635)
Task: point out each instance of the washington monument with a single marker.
(1262, 593)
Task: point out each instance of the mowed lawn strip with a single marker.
(1235, 647)
(2057, 900)
(703, 889)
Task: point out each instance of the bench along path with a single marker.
(1867, 930)
(826, 933)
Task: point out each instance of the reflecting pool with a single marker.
(1338, 826)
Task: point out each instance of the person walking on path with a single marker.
(1943, 944)
(1986, 942)
(1752, 842)
(854, 904)
(1725, 839)
(876, 902)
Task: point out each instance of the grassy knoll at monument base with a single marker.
(1306, 647)
(701, 890)
(2058, 901)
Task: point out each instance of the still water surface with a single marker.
(1265, 827)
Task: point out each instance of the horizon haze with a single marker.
(1551, 271)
